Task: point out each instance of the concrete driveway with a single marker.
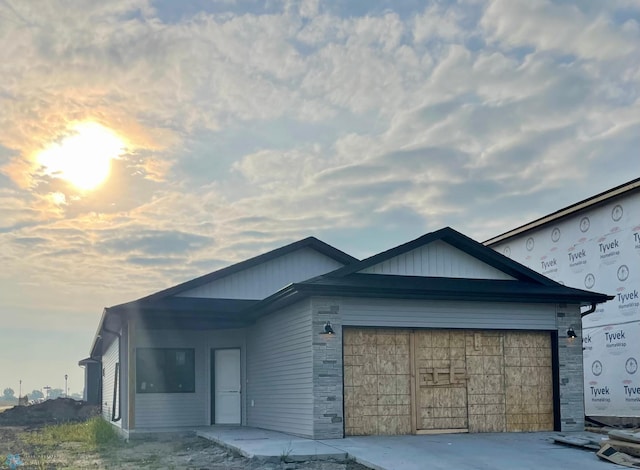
(508, 451)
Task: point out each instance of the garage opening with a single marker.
(399, 381)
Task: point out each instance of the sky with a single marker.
(144, 143)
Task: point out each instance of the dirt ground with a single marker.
(60, 410)
(166, 452)
(160, 452)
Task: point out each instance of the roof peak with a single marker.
(308, 242)
(459, 241)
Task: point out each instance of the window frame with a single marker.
(158, 370)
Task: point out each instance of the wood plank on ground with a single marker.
(628, 436)
(630, 448)
(612, 455)
(576, 441)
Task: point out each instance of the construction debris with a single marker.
(626, 436)
(612, 455)
(628, 448)
(621, 447)
(60, 410)
(585, 440)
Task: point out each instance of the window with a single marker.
(165, 370)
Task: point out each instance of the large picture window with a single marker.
(161, 370)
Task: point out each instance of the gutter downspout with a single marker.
(589, 311)
(117, 384)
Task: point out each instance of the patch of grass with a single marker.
(286, 453)
(41, 449)
(93, 433)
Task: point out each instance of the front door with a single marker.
(225, 386)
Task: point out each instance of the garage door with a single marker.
(403, 381)
(441, 386)
(528, 381)
(377, 382)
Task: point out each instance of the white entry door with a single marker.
(227, 386)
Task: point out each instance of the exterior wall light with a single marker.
(571, 335)
(328, 330)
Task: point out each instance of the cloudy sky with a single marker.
(234, 127)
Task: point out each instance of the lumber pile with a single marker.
(622, 448)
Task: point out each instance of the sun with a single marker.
(83, 158)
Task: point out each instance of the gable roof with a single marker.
(459, 241)
(598, 199)
(309, 242)
(164, 310)
(164, 305)
(527, 285)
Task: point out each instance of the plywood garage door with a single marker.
(377, 382)
(485, 387)
(483, 381)
(528, 381)
(441, 385)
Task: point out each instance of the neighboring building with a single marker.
(595, 244)
(92, 393)
(440, 334)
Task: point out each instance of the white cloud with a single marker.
(309, 8)
(271, 169)
(564, 28)
(438, 23)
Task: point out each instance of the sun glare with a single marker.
(84, 157)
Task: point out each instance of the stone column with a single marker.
(570, 364)
(327, 370)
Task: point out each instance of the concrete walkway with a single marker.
(504, 451)
(271, 445)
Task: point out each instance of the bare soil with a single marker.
(165, 452)
(60, 410)
(169, 451)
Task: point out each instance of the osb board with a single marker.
(528, 381)
(485, 367)
(377, 393)
(441, 391)
(485, 381)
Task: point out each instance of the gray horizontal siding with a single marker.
(161, 410)
(437, 259)
(443, 314)
(280, 371)
(157, 410)
(123, 379)
(264, 279)
(109, 360)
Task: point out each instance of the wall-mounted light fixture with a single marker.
(328, 330)
(571, 335)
